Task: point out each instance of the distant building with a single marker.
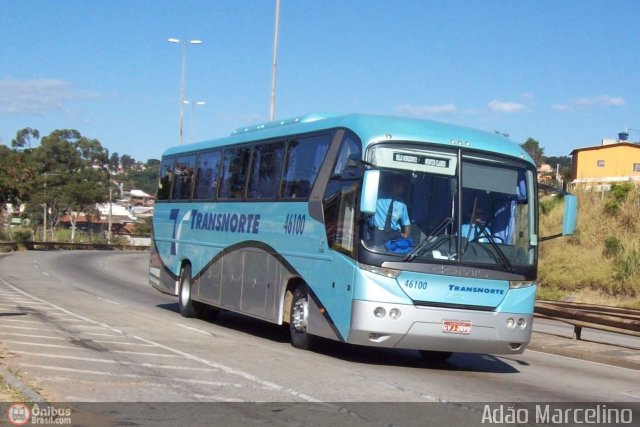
(614, 161)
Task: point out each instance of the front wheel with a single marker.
(188, 307)
(299, 320)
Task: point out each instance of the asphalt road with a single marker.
(85, 326)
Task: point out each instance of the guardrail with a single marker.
(47, 246)
(612, 319)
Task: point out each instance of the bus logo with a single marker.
(174, 216)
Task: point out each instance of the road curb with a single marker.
(13, 382)
(607, 354)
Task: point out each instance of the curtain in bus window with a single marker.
(234, 173)
(265, 174)
(351, 149)
(207, 171)
(166, 179)
(304, 159)
(183, 178)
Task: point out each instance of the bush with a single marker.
(612, 247)
(22, 235)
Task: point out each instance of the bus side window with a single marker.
(304, 158)
(183, 178)
(207, 173)
(265, 173)
(166, 179)
(234, 173)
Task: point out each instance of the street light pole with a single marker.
(272, 103)
(193, 117)
(183, 84)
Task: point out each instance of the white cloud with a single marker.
(596, 101)
(425, 110)
(36, 96)
(505, 106)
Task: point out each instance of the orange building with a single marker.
(600, 166)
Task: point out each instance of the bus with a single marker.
(286, 222)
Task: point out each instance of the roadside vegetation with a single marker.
(600, 263)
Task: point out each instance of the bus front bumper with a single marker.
(423, 328)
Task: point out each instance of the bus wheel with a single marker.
(298, 320)
(435, 356)
(188, 307)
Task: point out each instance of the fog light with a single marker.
(511, 323)
(522, 323)
(394, 313)
(379, 312)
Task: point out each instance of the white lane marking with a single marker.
(145, 354)
(38, 344)
(33, 336)
(136, 344)
(232, 371)
(115, 375)
(193, 329)
(25, 328)
(114, 362)
(19, 321)
(108, 300)
(224, 368)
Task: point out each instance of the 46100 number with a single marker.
(294, 224)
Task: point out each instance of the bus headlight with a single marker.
(386, 272)
(517, 284)
(511, 323)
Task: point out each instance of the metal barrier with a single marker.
(47, 246)
(612, 319)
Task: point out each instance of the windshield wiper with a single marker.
(431, 237)
(501, 256)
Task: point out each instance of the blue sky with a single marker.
(566, 73)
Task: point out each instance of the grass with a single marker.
(600, 264)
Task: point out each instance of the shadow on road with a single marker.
(464, 362)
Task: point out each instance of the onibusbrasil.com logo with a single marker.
(20, 414)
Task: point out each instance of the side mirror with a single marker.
(370, 183)
(570, 214)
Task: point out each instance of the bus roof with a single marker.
(371, 129)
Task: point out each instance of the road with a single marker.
(85, 326)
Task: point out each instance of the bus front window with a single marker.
(479, 213)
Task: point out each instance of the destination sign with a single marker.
(421, 160)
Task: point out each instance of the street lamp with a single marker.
(184, 44)
(193, 117)
(44, 205)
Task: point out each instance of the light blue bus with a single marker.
(365, 229)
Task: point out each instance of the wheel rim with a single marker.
(299, 314)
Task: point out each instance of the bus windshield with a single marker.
(445, 206)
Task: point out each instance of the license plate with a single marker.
(456, 327)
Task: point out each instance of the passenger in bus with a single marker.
(391, 220)
(473, 231)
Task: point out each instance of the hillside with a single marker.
(601, 263)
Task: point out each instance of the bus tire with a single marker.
(435, 356)
(299, 319)
(188, 307)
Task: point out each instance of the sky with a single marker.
(564, 72)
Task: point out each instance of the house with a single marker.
(614, 161)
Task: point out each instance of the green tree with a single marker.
(23, 137)
(114, 162)
(532, 147)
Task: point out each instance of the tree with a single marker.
(23, 137)
(532, 147)
(127, 162)
(114, 162)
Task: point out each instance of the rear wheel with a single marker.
(435, 356)
(299, 320)
(188, 307)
